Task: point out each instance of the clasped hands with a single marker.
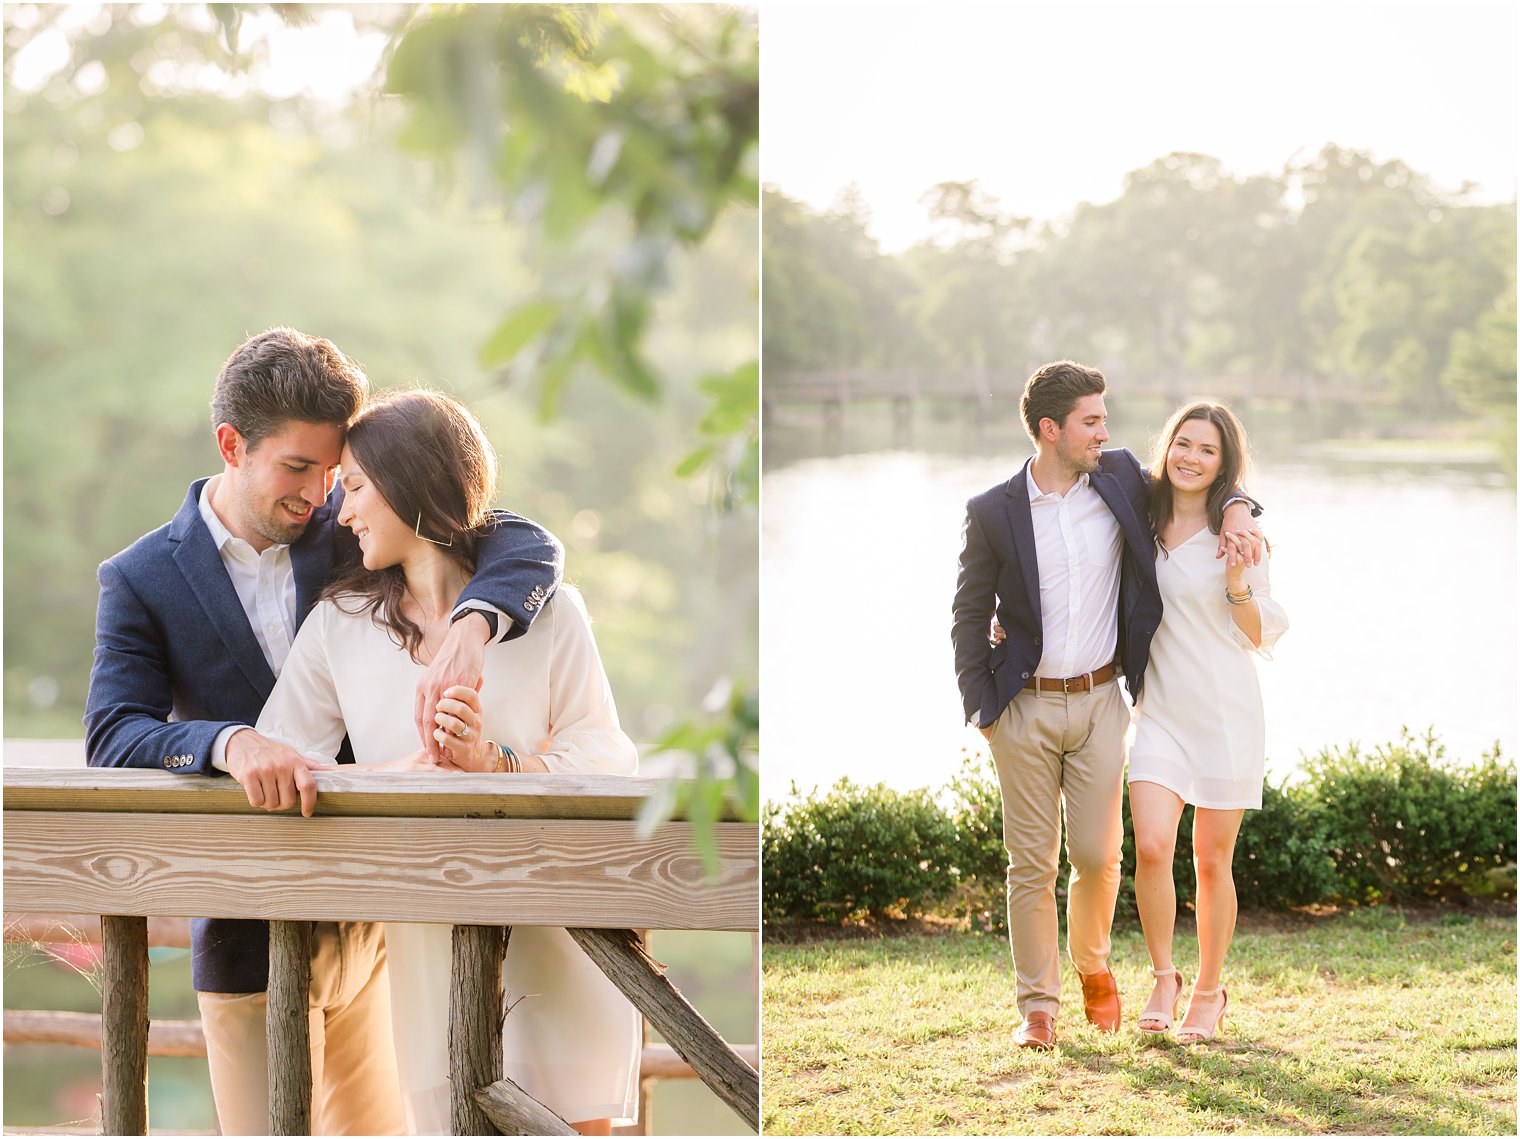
(276, 777)
(447, 715)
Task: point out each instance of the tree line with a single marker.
(1339, 271)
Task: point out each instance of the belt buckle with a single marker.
(1066, 684)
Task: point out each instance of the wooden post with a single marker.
(513, 1111)
(124, 1025)
(617, 953)
(475, 1015)
(287, 1025)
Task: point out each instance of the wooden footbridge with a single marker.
(979, 394)
(145, 849)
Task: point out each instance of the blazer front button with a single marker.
(1024, 675)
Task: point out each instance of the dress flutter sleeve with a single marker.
(303, 709)
(584, 733)
(1274, 619)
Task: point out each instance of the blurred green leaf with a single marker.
(521, 327)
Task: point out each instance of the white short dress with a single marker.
(573, 1040)
(1199, 725)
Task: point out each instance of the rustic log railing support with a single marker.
(124, 1025)
(558, 851)
(287, 1026)
(617, 953)
(513, 1111)
(475, 1013)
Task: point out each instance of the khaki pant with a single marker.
(1055, 749)
(353, 1057)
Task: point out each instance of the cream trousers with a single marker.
(1056, 750)
(353, 1058)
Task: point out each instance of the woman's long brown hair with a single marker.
(1232, 465)
(428, 458)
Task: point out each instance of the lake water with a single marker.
(1400, 587)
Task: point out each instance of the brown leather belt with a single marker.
(1088, 680)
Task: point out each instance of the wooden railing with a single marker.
(480, 852)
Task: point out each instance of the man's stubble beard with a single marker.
(270, 525)
(1082, 461)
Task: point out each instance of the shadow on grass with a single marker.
(1267, 1089)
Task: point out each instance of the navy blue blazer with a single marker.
(999, 571)
(176, 662)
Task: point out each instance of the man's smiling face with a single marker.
(282, 478)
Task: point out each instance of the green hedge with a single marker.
(1398, 824)
(856, 851)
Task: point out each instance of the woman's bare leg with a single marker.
(1214, 834)
(1154, 813)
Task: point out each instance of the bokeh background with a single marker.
(549, 211)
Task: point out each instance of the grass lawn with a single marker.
(1360, 1023)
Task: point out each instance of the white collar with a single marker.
(1036, 494)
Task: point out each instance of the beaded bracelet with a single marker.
(1240, 599)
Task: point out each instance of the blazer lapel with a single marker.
(1021, 523)
(201, 565)
(1136, 533)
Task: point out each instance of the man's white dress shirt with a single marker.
(1077, 542)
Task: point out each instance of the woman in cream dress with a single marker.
(571, 1039)
(1200, 729)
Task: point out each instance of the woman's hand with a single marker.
(1239, 553)
(460, 734)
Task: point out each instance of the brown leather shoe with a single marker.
(1100, 998)
(1037, 1031)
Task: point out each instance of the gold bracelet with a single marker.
(506, 756)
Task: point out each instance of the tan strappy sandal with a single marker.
(1156, 1023)
(1204, 1035)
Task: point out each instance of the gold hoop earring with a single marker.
(425, 538)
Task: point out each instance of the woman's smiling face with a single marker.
(1194, 457)
(384, 539)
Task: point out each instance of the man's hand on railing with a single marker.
(274, 775)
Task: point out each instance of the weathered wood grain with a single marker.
(68, 929)
(124, 1025)
(567, 872)
(341, 792)
(288, 1028)
(617, 953)
(475, 1007)
(514, 1112)
(82, 1030)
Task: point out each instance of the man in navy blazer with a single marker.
(195, 620)
(1062, 554)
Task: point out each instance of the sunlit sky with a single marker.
(1049, 104)
(325, 57)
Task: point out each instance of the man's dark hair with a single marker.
(280, 375)
(1054, 390)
